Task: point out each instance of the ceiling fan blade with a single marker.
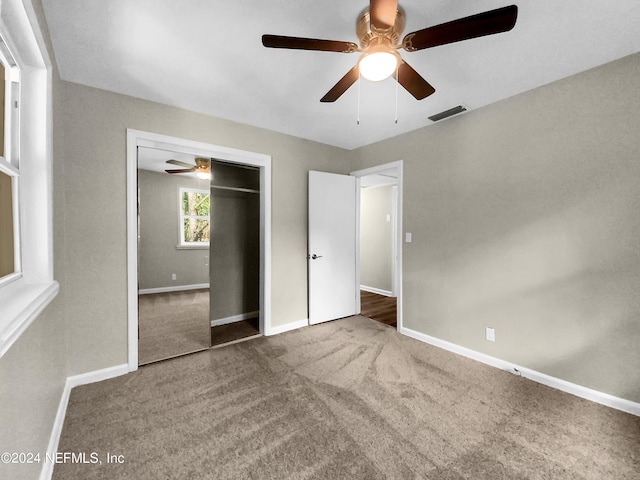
(383, 13)
(486, 23)
(178, 162)
(413, 82)
(181, 171)
(342, 86)
(298, 43)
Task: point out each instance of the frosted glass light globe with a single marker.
(377, 66)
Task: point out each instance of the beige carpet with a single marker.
(172, 324)
(350, 399)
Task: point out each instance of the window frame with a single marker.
(26, 294)
(182, 243)
(10, 158)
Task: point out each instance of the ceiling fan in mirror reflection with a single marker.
(202, 168)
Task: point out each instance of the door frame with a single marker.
(397, 166)
(137, 138)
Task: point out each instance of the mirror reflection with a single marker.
(198, 253)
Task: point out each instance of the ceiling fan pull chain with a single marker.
(397, 81)
(359, 82)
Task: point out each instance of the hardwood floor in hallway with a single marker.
(232, 332)
(380, 308)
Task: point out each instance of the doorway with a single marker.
(335, 243)
(379, 243)
(234, 252)
(258, 163)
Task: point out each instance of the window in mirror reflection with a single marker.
(194, 217)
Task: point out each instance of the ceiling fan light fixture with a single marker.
(378, 64)
(204, 175)
(379, 27)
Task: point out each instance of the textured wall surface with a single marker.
(376, 237)
(524, 217)
(158, 257)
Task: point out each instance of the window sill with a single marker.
(21, 305)
(192, 247)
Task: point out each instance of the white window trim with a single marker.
(10, 162)
(182, 244)
(24, 298)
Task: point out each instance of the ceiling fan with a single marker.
(379, 28)
(202, 168)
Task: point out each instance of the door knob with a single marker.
(314, 256)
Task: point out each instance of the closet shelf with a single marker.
(236, 189)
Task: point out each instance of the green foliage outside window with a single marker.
(195, 216)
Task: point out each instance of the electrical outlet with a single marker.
(173, 276)
(490, 334)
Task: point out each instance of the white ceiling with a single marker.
(207, 56)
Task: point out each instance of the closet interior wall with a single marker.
(234, 269)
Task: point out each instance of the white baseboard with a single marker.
(74, 381)
(379, 291)
(553, 382)
(234, 318)
(177, 288)
(287, 327)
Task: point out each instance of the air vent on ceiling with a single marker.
(448, 113)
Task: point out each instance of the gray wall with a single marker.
(34, 370)
(32, 377)
(158, 257)
(376, 232)
(525, 218)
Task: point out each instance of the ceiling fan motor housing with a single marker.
(369, 35)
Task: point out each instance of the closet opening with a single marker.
(198, 246)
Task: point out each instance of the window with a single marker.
(9, 172)
(27, 285)
(194, 217)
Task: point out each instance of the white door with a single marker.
(332, 246)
